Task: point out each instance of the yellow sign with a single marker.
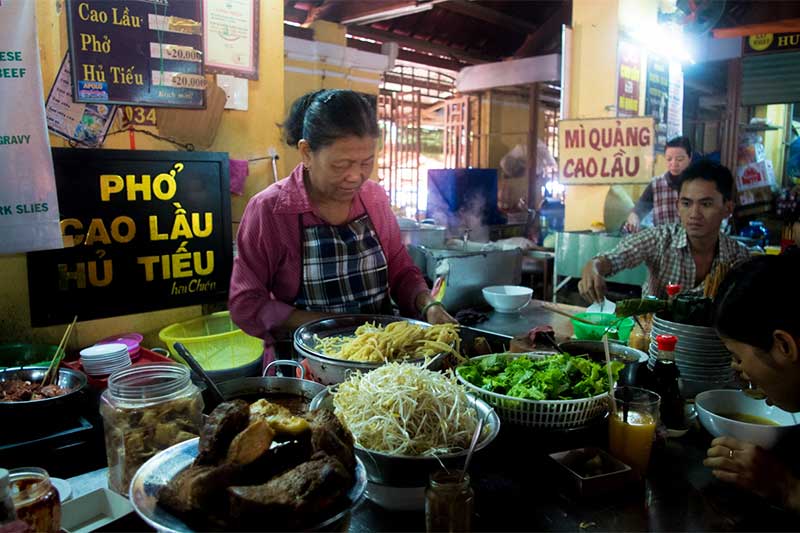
(603, 151)
(760, 41)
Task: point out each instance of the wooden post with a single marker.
(534, 188)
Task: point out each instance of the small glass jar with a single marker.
(146, 409)
(449, 502)
(35, 499)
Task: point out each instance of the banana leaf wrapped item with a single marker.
(640, 306)
(684, 309)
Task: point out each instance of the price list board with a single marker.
(140, 52)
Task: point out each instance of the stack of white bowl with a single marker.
(105, 359)
(702, 358)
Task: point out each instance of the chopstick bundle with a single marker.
(714, 279)
(52, 370)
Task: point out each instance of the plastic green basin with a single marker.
(21, 354)
(602, 320)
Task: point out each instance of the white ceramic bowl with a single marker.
(710, 403)
(507, 298)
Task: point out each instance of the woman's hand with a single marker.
(437, 314)
(753, 469)
(632, 224)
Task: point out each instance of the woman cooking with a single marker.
(661, 194)
(324, 240)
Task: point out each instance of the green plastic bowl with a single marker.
(585, 332)
(20, 354)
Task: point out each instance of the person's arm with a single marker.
(645, 202)
(431, 310)
(250, 301)
(592, 285)
(753, 469)
(629, 253)
(643, 206)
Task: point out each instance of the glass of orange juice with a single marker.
(632, 427)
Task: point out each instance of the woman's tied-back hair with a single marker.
(758, 297)
(322, 117)
(681, 142)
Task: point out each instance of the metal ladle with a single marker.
(216, 395)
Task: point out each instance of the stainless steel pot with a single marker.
(329, 370)
(265, 386)
(37, 411)
(413, 471)
(428, 235)
(635, 360)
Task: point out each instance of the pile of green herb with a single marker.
(558, 377)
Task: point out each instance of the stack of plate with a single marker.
(105, 359)
(702, 358)
(131, 340)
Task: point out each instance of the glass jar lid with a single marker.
(28, 484)
(149, 383)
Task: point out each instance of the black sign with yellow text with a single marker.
(771, 42)
(150, 230)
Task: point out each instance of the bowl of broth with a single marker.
(732, 413)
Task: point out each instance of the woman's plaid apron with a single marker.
(344, 269)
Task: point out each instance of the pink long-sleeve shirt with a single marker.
(268, 268)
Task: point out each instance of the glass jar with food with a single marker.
(146, 409)
(35, 499)
(449, 501)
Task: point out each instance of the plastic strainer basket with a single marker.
(214, 340)
(542, 414)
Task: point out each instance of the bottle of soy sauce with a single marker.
(664, 381)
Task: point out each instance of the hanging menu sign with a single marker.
(675, 115)
(603, 151)
(629, 79)
(657, 98)
(140, 52)
(150, 230)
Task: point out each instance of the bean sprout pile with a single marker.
(405, 409)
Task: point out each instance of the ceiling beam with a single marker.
(352, 12)
(391, 77)
(548, 31)
(470, 57)
(290, 30)
(489, 15)
(408, 55)
(777, 26)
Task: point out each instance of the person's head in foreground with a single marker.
(756, 317)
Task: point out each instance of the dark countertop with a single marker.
(517, 488)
